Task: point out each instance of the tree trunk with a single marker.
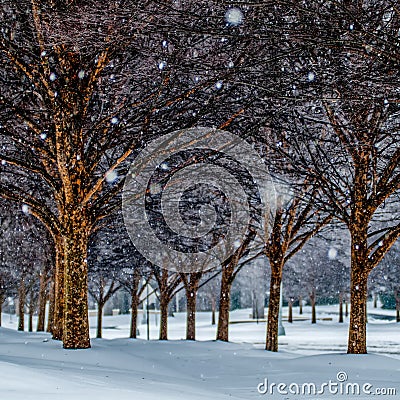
(191, 282)
(30, 321)
(42, 302)
(213, 307)
(21, 305)
(375, 300)
(290, 316)
(76, 321)
(57, 316)
(341, 307)
(300, 305)
(357, 341)
(50, 317)
(346, 312)
(397, 296)
(191, 315)
(164, 301)
(273, 309)
(313, 309)
(1, 306)
(224, 304)
(134, 313)
(100, 306)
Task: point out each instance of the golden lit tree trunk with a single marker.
(357, 342)
(357, 339)
(273, 308)
(58, 292)
(76, 323)
(51, 308)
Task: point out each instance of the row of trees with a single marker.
(84, 85)
(317, 274)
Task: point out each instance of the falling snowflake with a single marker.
(81, 74)
(164, 166)
(53, 77)
(114, 120)
(25, 208)
(218, 85)
(234, 16)
(111, 176)
(311, 76)
(332, 253)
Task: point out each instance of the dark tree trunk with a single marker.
(254, 308)
(76, 322)
(134, 313)
(191, 315)
(213, 307)
(191, 282)
(397, 296)
(1, 306)
(313, 309)
(50, 316)
(357, 341)
(224, 304)
(42, 302)
(134, 303)
(341, 307)
(164, 302)
(300, 305)
(273, 309)
(30, 320)
(290, 316)
(375, 300)
(100, 306)
(21, 305)
(346, 311)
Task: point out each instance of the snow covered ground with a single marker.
(32, 366)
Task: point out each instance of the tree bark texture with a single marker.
(273, 310)
(21, 304)
(76, 323)
(224, 303)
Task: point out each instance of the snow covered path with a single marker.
(32, 366)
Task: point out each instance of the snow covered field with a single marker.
(32, 366)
